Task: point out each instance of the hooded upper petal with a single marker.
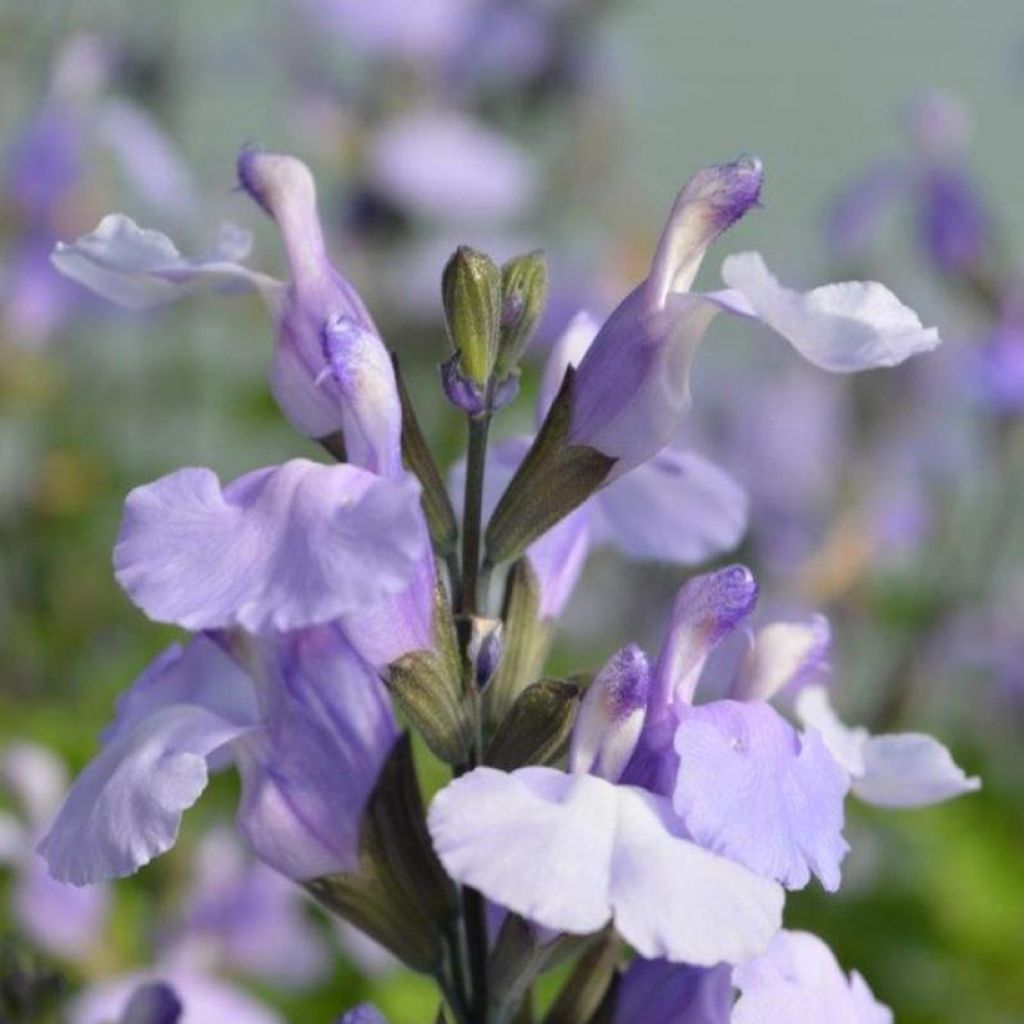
(753, 789)
(855, 325)
(797, 981)
(897, 770)
(784, 654)
(140, 268)
(308, 773)
(126, 806)
(279, 548)
(573, 852)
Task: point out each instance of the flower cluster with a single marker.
(326, 599)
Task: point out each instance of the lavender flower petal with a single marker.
(750, 788)
(279, 548)
(784, 654)
(667, 993)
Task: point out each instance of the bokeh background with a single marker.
(893, 502)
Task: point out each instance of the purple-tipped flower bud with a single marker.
(633, 385)
(485, 648)
(611, 716)
(524, 291)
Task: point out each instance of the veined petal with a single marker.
(140, 269)
(572, 852)
(126, 806)
(855, 325)
(661, 992)
(896, 770)
(784, 654)
(277, 549)
(750, 788)
(678, 507)
(308, 773)
(797, 981)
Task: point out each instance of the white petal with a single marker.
(783, 653)
(910, 770)
(855, 325)
(846, 745)
(140, 269)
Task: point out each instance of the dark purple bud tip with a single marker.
(727, 191)
(626, 678)
(153, 1004)
(718, 602)
(462, 391)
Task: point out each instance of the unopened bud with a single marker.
(485, 647)
(471, 292)
(612, 716)
(524, 291)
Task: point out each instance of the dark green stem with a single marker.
(472, 528)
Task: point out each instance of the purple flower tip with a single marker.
(727, 190)
(271, 178)
(720, 601)
(460, 390)
(153, 1004)
(629, 674)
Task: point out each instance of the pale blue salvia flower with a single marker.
(638, 514)
(330, 370)
(309, 727)
(573, 851)
(632, 387)
(201, 998)
(64, 920)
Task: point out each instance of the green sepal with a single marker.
(554, 479)
(399, 894)
(428, 687)
(525, 644)
(419, 460)
(524, 292)
(471, 293)
(537, 727)
(589, 995)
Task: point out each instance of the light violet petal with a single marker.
(307, 774)
(797, 981)
(844, 327)
(277, 549)
(661, 992)
(126, 806)
(633, 386)
(678, 507)
(784, 654)
(910, 770)
(751, 788)
(140, 269)
(536, 841)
